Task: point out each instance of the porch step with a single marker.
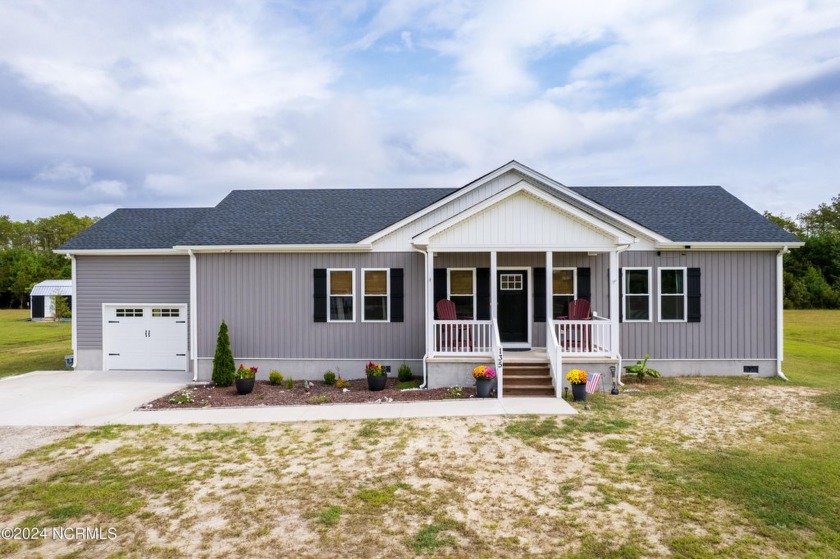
(528, 379)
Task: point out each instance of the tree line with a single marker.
(27, 257)
(812, 273)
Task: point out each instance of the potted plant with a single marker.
(484, 377)
(577, 378)
(376, 376)
(245, 378)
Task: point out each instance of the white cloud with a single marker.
(66, 171)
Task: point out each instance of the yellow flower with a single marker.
(576, 376)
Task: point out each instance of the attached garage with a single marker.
(145, 336)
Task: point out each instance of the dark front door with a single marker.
(512, 311)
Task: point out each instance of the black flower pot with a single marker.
(483, 387)
(244, 385)
(579, 392)
(375, 384)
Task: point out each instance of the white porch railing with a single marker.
(555, 360)
(499, 357)
(463, 337)
(584, 337)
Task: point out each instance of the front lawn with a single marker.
(27, 346)
(686, 468)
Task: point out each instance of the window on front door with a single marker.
(563, 290)
(462, 292)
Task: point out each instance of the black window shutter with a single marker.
(320, 294)
(621, 294)
(482, 280)
(439, 289)
(693, 291)
(584, 284)
(397, 305)
(539, 294)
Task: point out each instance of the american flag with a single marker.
(593, 382)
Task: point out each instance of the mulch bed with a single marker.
(264, 394)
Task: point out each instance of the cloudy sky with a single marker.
(158, 103)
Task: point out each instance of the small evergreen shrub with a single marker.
(275, 378)
(290, 383)
(223, 366)
(329, 378)
(405, 374)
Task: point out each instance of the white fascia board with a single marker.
(518, 248)
(359, 247)
(469, 187)
(422, 239)
(727, 246)
(125, 252)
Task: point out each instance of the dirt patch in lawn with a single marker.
(265, 394)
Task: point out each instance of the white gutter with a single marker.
(780, 312)
(123, 252)
(425, 312)
(726, 246)
(357, 247)
(193, 315)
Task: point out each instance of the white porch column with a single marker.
(549, 289)
(614, 301)
(493, 295)
(430, 302)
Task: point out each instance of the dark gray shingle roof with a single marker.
(688, 214)
(290, 217)
(134, 228)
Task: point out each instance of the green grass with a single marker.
(812, 348)
(27, 346)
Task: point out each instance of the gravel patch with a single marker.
(14, 441)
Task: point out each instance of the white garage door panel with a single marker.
(146, 337)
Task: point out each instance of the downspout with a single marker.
(780, 312)
(618, 353)
(74, 325)
(425, 312)
(193, 315)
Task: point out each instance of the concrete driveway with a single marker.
(81, 397)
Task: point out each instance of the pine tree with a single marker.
(223, 365)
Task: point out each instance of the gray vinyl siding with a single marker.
(599, 267)
(124, 279)
(738, 308)
(267, 302)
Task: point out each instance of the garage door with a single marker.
(152, 337)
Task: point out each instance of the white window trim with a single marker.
(574, 283)
(624, 292)
(684, 294)
(449, 286)
(330, 295)
(387, 294)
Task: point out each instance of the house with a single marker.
(41, 298)
(310, 280)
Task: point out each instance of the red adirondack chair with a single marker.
(452, 337)
(579, 336)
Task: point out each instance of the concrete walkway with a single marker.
(60, 398)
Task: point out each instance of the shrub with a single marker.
(223, 365)
(290, 383)
(275, 378)
(455, 392)
(183, 397)
(641, 370)
(329, 378)
(405, 374)
(341, 383)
